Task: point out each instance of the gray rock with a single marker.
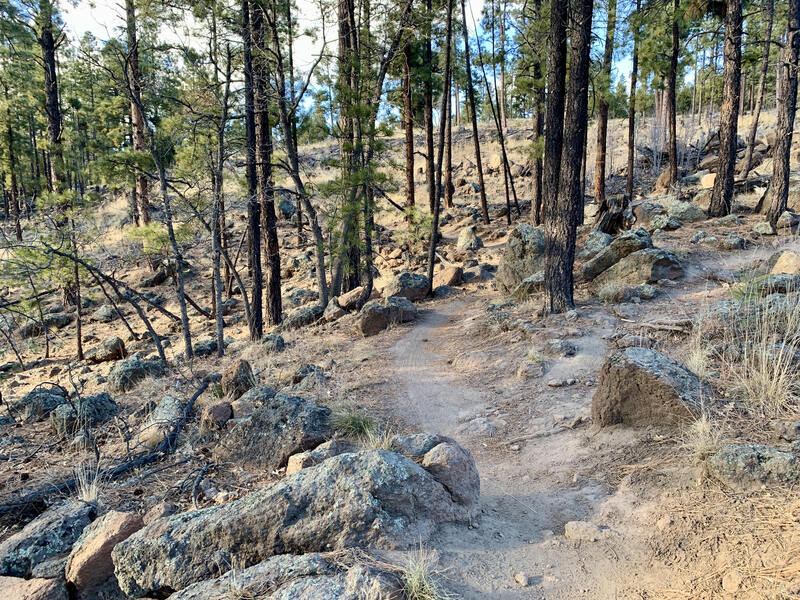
(731, 241)
(522, 257)
(51, 534)
(37, 404)
(334, 312)
(160, 422)
(529, 286)
(645, 212)
(300, 296)
(286, 208)
(126, 374)
(283, 425)
(595, 242)
(307, 576)
(377, 315)
(468, 239)
(639, 386)
(237, 379)
(111, 348)
(273, 343)
(371, 498)
(787, 220)
(748, 466)
(686, 212)
(258, 395)
(664, 223)
(303, 316)
(407, 285)
(70, 417)
(728, 221)
(623, 245)
(645, 266)
(105, 314)
(764, 228)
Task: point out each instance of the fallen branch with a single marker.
(35, 502)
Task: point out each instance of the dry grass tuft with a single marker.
(88, 482)
(419, 576)
(703, 437)
(353, 423)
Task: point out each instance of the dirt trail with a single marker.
(527, 495)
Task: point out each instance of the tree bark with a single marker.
(137, 119)
(428, 99)
(538, 123)
(779, 188)
(722, 195)
(253, 208)
(561, 221)
(55, 172)
(474, 115)
(762, 83)
(602, 109)
(554, 124)
(632, 110)
(408, 123)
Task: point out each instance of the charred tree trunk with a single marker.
(55, 172)
(722, 195)
(672, 103)
(762, 83)
(561, 221)
(428, 99)
(253, 208)
(473, 115)
(779, 188)
(632, 111)
(554, 126)
(538, 125)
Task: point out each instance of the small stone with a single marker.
(582, 531)
(522, 579)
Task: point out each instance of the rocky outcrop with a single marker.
(90, 411)
(303, 316)
(639, 386)
(237, 379)
(468, 239)
(16, 588)
(644, 266)
(377, 315)
(624, 244)
(522, 257)
(111, 348)
(407, 285)
(89, 564)
(283, 425)
(37, 404)
(48, 535)
(129, 372)
(749, 466)
(309, 576)
(372, 498)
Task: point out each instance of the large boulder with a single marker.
(37, 404)
(283, 425)
(523, 256)
(594, 244)
(407, 285)
(55, 320)
(311, 576)
(624, 244)
(48, 535)
(111, 348)
(303, 316)
(70, 417)
(237, 379)
(377, 315)
(644, 266)
(686, 211)
(639, 386)
(16, 588)
(89, 564)
(128, 373)
(450, 276)
(787, 263)
(468, 239)
(749, 466)
(105, 314)
(373, 498)
(160, 422)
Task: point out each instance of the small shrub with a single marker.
(419, 577)
(703, 437)
(88, 483)
(354, 424)
(610, 292)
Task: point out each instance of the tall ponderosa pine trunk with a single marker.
(253, 208)
(55, 171)
(137, 120)
(554, 127)
(266, 190)
(538, 123)
(428, 100)
(672, 102)
(408, 126)
(12, 167)
(722, 195)
(769, 6)
(602, 109)
(561, 221)
(779, 188)
(632, 110)
(473, 115)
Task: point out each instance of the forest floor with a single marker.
(647, 521)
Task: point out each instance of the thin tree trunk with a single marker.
(12, 166)
(47, 43)
(408, 123)
(632, 110)
(137, 119)
(779, 188)
(428, 99)
(538, 123)
(762, 83)
(602, 111)
(253, 208)
(722, 195)
(672, 107)
(474, 116)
